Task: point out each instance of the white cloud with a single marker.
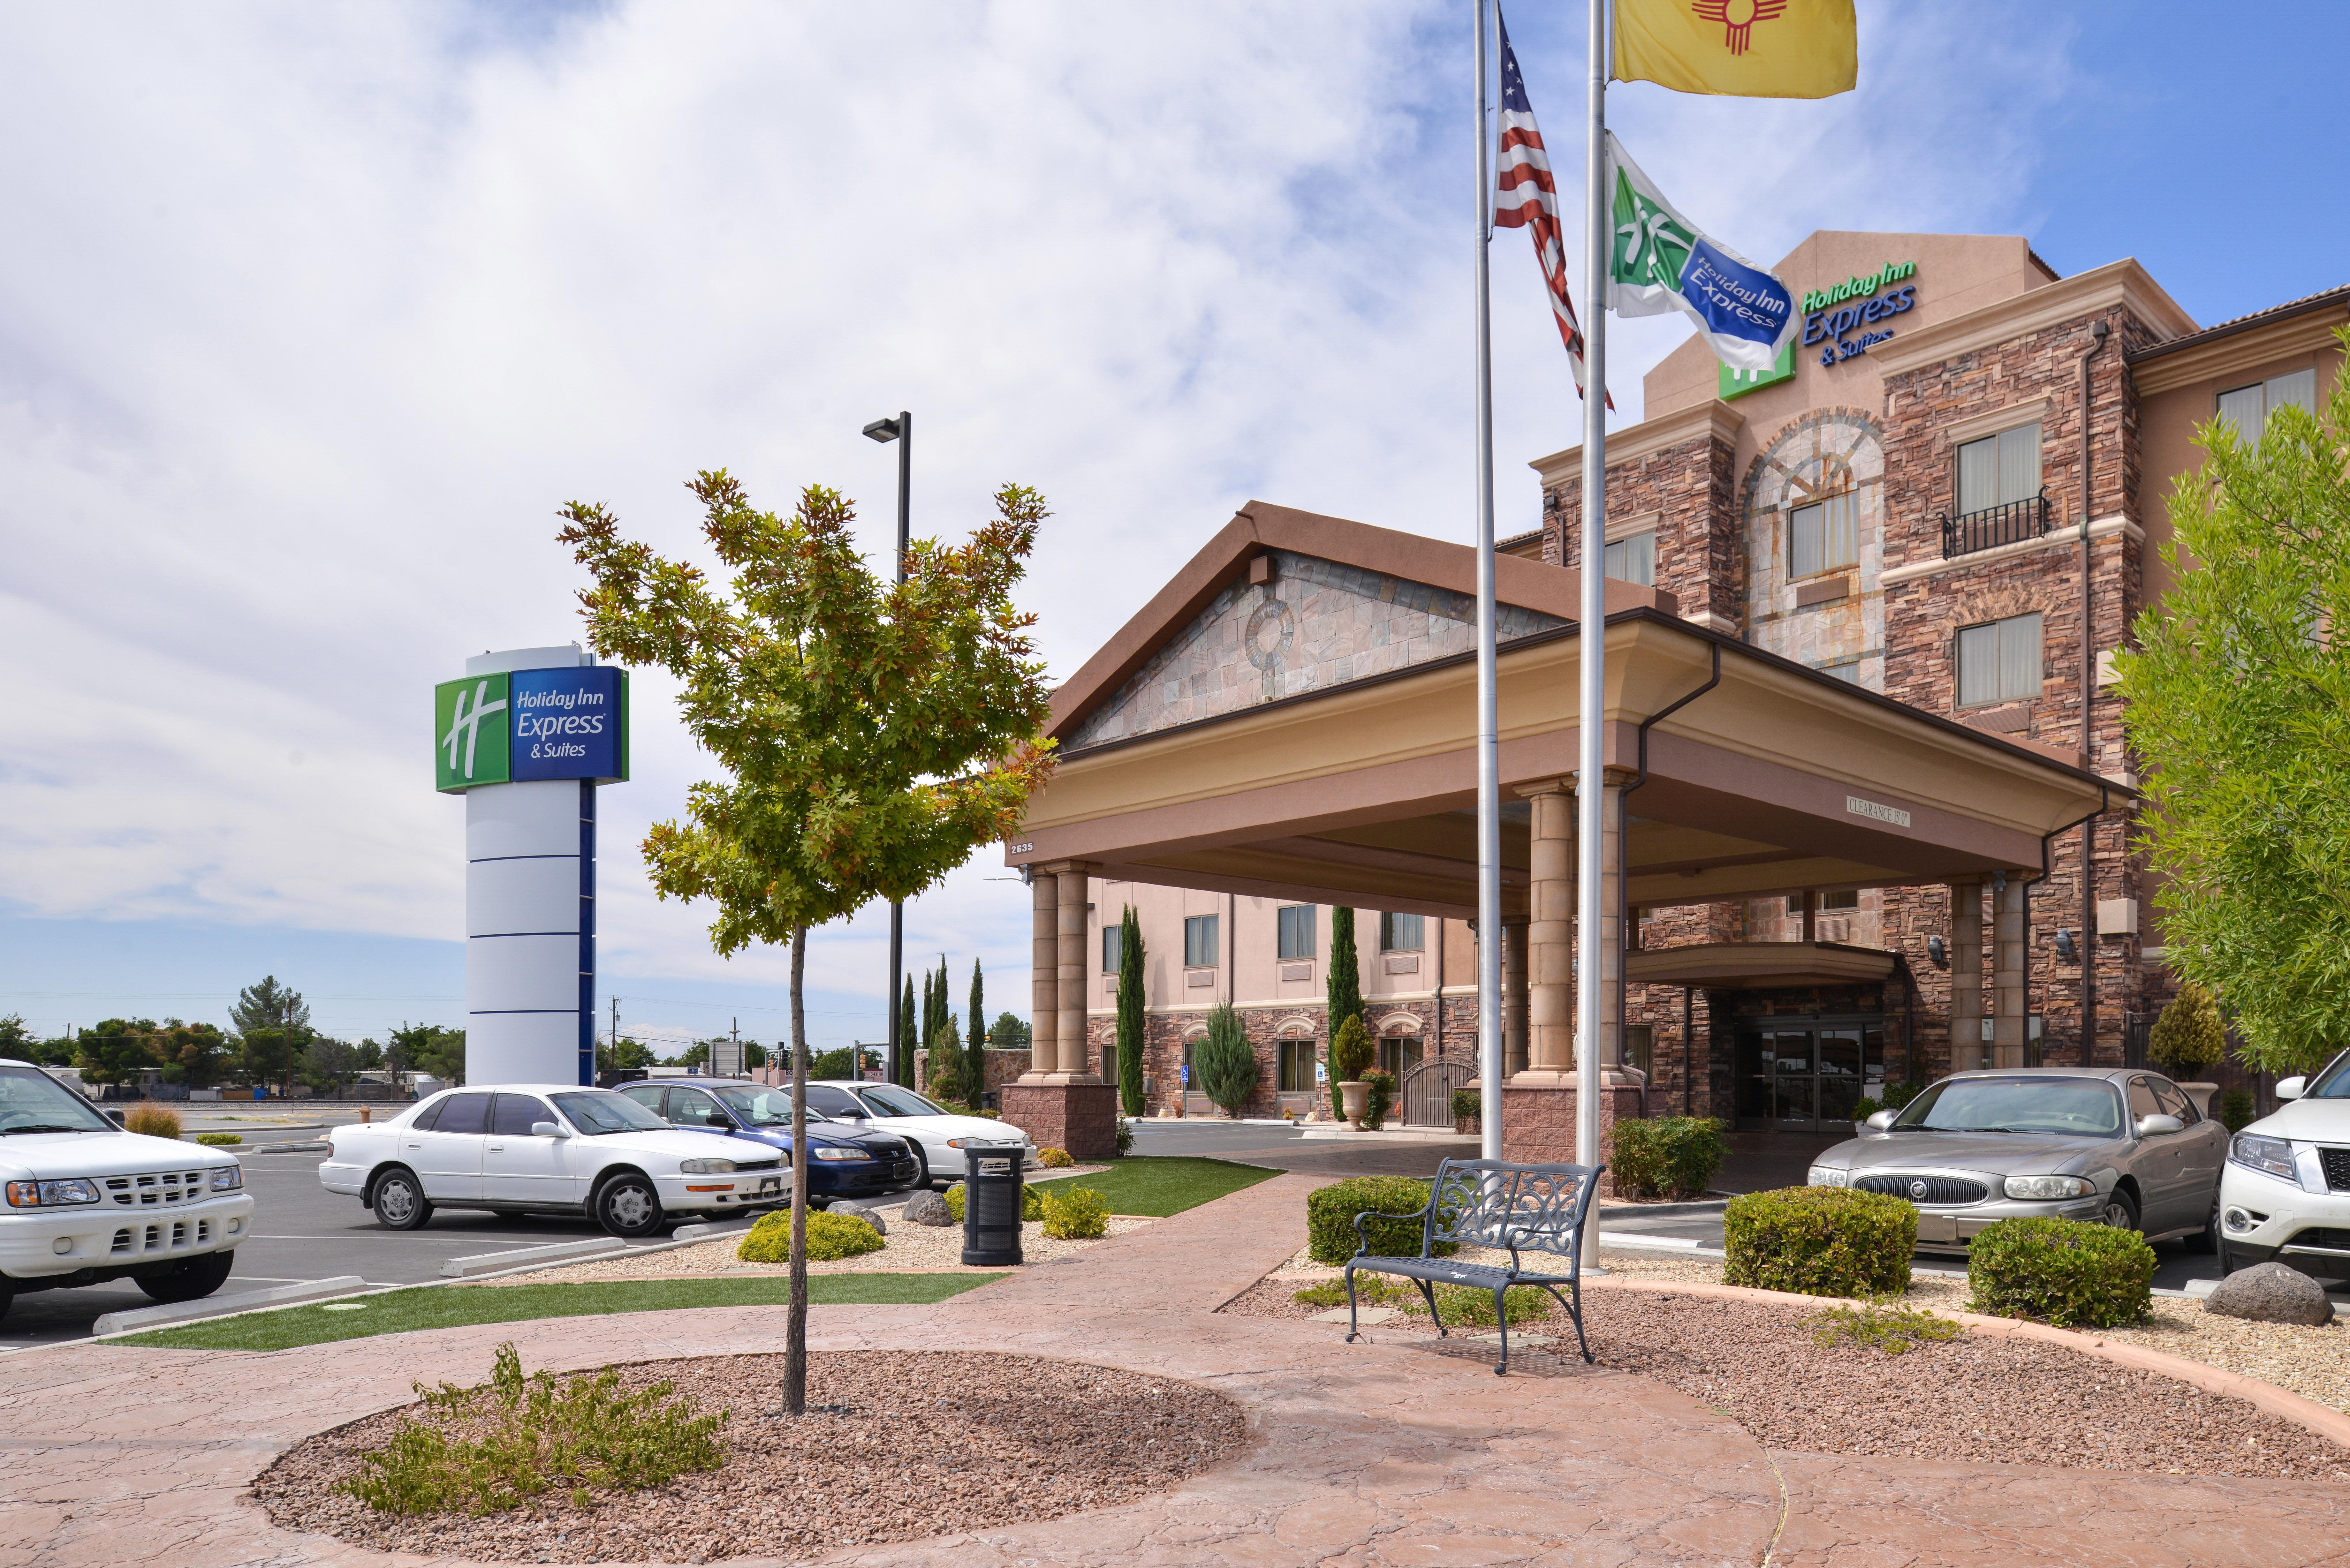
(311, 318)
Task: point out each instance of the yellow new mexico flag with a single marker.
(1740, 48)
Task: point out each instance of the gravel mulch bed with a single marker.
(909, 1249)
(896, 1446)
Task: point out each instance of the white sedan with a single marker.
(524, 1148)
(938, 1137)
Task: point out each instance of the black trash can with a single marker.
(991, 1205)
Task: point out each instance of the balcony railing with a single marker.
(1995, 526)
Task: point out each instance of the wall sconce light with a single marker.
(1937, 950)
(2066, 949)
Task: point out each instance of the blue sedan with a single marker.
(844, 1160)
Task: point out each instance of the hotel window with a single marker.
(1847, 900)
(1998, 470)
(1294, 1060)
(1296, 931)
(1200, 945)
(1111, 938)
(2248, 408)
(1825, 536)
(1400, 933)
(2000, 661)
(1632, 559)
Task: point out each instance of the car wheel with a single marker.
(921, 1167)
(629, 1206)
(2121, 1211)
(6, 1298)
(190, 1281)
(2227, 1260)
(2205, 1241)
(399, 1201)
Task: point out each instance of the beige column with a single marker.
(1043, 972)
(1550, 935)
(1610, 977)
(1514, 998)
(2010, 948)
(1966, 976)
(1069, 1037)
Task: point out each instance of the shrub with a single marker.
(1225, 1062)
(830, 1236)
(152, 1120)
(1864, 1107)
(2235, 1110)
(2069, 1273)
(1125, 1137)
(1672, 1157)
(2188, 1038)
(1893, 1329)
(1054, 1159)
(1901, 1091)
(1457, 1306)
(1079, 1214)
(1466, 1105)
(1330, 1218)
(1351, 1052)
(1031, 1203)
(1820, 1241)
(514, 1438)
(219, 1140)
(1376, 1103)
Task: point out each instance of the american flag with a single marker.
(1525, 197)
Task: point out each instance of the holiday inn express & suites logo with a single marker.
(465, 756)
(570, 722)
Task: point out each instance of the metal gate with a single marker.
(1426, 1090)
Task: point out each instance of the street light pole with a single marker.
(901, 430)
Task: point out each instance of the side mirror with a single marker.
(114, 1116)
(547, 1129)
(1882, 1120)
(2292, 1088)
(2149, 1125)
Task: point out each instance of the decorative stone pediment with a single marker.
(1315, 625)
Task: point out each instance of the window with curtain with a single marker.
(1824, 536)
(2000, 661)
(1296, 932)
(1400, 933)
(1999, 468)
(1111, 935)
(1294, 1062)
(1632, 559)
(2248, 408)
(1200, 945)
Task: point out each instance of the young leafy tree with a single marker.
(275, 1023)
(113, 1051)
(200, 1050)
(974, 1051)
(1345, 991)
(1133, 1019)
(1010, 1032)
(1225, 1061)
(871, 734)
(2237, 700)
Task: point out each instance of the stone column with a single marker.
(1966, 976)
(1538, 1101)
(1514, 998)
(1043, 973)
(1069, 1036)
(1059, 1102)
(1811, 914)
(2009, 950)
(1610, 977)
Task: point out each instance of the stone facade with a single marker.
(1079, 1117)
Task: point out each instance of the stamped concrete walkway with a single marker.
(1381, 1456)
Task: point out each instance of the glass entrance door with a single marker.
(1809, 1077)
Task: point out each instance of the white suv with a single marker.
(87, 1202)
(2286, 1194)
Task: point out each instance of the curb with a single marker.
(1662, 1210)
(321, 1146)
(137, 1320)
(2323, 1420)
(499, 1262)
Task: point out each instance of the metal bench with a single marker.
(1494, 1204)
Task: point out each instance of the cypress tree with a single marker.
(974, 1051)
(1131, 1018)
(905, 1065)
(1346, 990)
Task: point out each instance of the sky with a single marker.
(310, 318)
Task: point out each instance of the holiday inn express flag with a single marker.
(1740, 48)
(1658, 261)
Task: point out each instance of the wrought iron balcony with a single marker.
(1995, 526)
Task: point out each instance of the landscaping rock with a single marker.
(2270, 1292)
(870, 1216)
(927, 1208)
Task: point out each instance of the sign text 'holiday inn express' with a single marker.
(525, 724)
(1840, 320)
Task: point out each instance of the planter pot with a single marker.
(2201, 1094)
(1355, 1098)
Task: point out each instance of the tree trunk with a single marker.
(795, 1328)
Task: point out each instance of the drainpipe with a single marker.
(2088, 755)
(1622, 858)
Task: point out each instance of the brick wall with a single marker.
(1700, 559)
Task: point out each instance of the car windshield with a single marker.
(760, 1108)
(2021, 1104)
(597, 1111)
(2331, 1082)
(887, 1101)
(31, 1101)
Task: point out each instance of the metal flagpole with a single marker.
(1489, 761)
(1592, 635)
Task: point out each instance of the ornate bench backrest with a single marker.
(1493, 1203)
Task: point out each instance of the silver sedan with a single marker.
(2122, 1146)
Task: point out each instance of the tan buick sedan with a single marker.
(2124, 1147)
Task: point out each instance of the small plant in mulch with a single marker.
(1380, 1101)
(1889, 1326)
(1031, 1203)
(830, 1238)
(2069, 1273)
(1078, 1214)
(152, 1120)
(1458, 1306)
(219, 1140)
(490, 1448)
(1054, 1159)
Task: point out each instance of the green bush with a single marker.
(2188, 1038)
(1031, 1203)
(1670, 1157)
(1125, 1137)
(1900, 1092)
(1225, 1063)
(219, 1140)
(1054, 1159)
(2069, 1273)
(1466, 1106)
(1351, 1052)
(1864, 1107)
(1078, 1214)
(488, 1448)
(830, 1236)
(2234, 1110)
(1330, 1218)
(1377, 1104)
(1820, 1241)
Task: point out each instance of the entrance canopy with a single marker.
(1294, 717)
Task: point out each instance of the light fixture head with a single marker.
(882, 430)
(1937, 950)
(2066, 949)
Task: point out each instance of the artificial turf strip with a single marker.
(455, 1306)
(1161, 1185)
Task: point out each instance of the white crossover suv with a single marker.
(2286, 1194)
(937, 1136)
(523, 1148)
(87, 1202)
